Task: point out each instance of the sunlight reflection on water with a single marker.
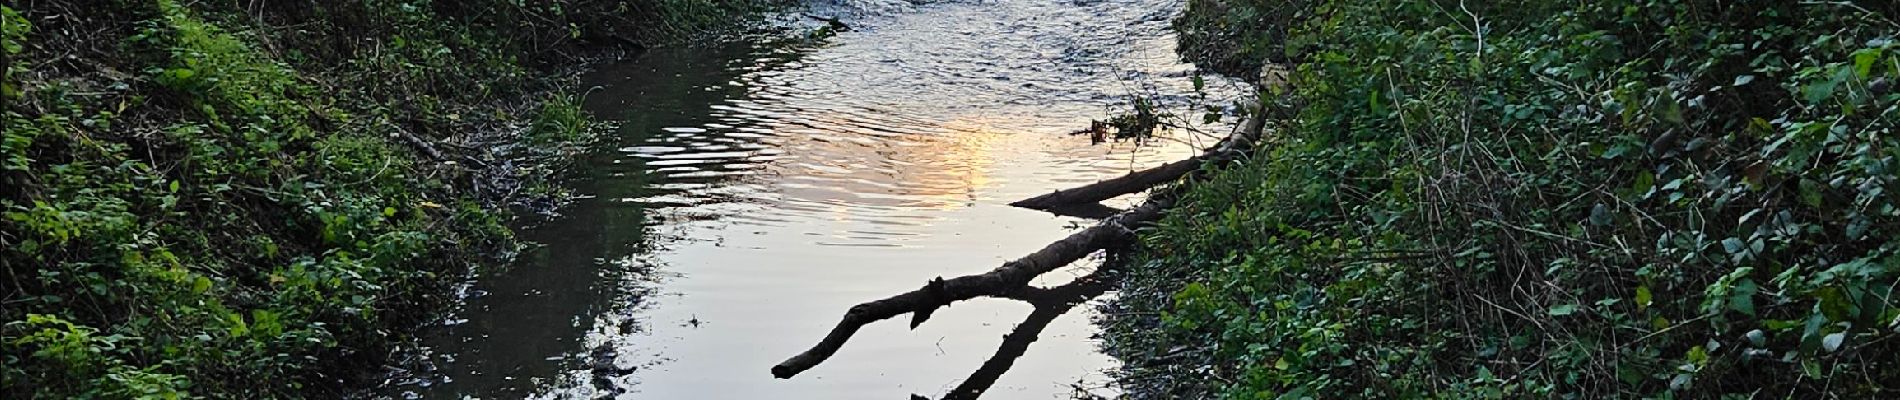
(754, 193)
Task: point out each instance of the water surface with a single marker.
(752, 193)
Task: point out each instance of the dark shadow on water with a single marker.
(529, 323)
(1090, 211)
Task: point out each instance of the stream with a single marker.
(751, 193)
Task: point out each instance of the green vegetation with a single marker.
(1238, 37)
(1619, 198)
(205, 199)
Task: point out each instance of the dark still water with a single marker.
(753, 193)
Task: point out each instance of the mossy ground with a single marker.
(1627, 198)
(216, 199)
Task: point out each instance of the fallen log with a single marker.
(1142, 180)
(1000, 282)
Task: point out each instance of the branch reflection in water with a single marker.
(1049, 304)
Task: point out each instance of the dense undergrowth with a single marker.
(1619, 198)
(232, 199)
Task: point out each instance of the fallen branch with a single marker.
(428, 149)
(1000, 282)
(1229, 148)
(422, 146)
(1012, 279)
(1108, 189)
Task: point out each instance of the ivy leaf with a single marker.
(1742, 298)
(1810, 193)
(1617, 150)
(1822, 90)
(1734, 246)
(1681, 382)
(1600, 215)
(1811, 332)
(1857, 226)
(1832, 342)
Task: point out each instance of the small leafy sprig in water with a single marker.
(1139, 124)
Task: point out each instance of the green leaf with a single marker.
(1810, 192)
(238, 327)
(1742, 297)
(1643, 297)
(1759, 127)
(1743, 80)
(1832, 342)
(1811, 333)
(1295, 394)
(201, 285)
(1372, 103)
(1563, 309)
(1617, 150)
(1857, 226)
(1822, 90)
(1629, 374)
(1644, 182)
(1600, 215)
(1864, 61)
(1734, 246)
(1780, 325)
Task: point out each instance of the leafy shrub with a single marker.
(1657, 198)
(1237, 37)
(198, 202)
